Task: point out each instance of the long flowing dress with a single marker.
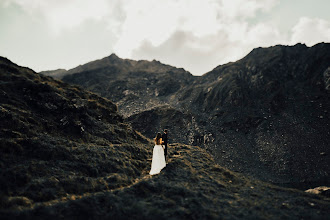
(158, 160)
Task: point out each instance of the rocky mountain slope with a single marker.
(271, 108)
(66, 153)
(135, 86)
(57, 140)
(265, 115)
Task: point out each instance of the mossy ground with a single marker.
(192, 186)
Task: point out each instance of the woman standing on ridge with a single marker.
(158, 157)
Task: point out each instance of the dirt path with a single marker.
(71, 197)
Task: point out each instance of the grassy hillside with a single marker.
(66, 154)
(192, 186)
(57, 140)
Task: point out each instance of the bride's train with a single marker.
(158, 160)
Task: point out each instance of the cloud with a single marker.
(195, 34)
(29, 42)
(242, 9)
(62, 15)
(184, 49)
(201, 54)
(204, 35)
(156, 22)
(311, 31)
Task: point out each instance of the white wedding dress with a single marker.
(158, 160)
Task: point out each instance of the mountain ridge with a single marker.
(124, 81)
(255, 103)
(113, 59)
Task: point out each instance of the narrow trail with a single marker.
(71, 197)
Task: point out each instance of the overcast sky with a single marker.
(197, 35)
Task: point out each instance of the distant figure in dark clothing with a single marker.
(164, 138)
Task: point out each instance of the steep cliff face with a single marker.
(265, 115)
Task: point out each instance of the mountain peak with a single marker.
(113, 56)
(300, 45)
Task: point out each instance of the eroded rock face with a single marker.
(265, 115)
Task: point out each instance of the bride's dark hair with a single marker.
(158, 137)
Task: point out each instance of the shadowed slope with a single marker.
(57, 140)
(268, 113)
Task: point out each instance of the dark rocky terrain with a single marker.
(268, 113)
(265, 115)
(135, 86)
(66, 153)
(57, 140)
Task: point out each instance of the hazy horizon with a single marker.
(195, 35)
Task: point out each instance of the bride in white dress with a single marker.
(158, 157)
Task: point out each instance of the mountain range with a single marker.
(265, 115)
(67, 153)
